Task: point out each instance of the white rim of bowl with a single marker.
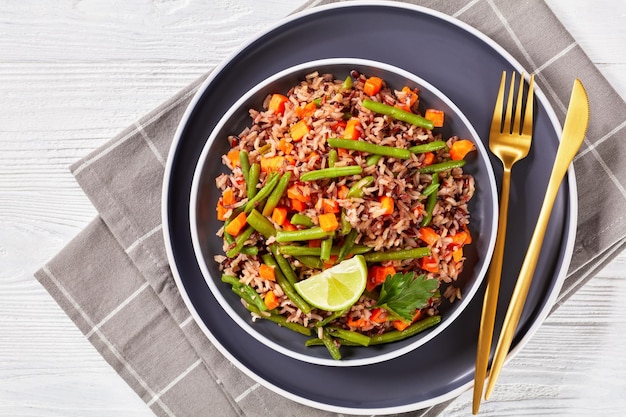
(250, 329)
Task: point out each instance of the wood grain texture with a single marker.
(75, 73)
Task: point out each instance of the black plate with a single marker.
(466, 67)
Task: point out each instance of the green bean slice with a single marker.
(328, 173)
(363, 146)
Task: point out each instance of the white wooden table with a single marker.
(75, 73)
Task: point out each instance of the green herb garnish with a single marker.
(402, 294)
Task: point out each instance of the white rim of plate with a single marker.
(568, 250)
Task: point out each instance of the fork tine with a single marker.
(509, 105)
(527, 128)
(496, 121)
(517, 120)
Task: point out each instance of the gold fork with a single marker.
(509, 144)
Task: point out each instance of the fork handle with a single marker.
(490, 303)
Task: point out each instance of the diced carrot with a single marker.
(468, 240)
(234, 227)
(377, 274)
(341, 124)
(357, 323)
(459, 239)
(297, 205)
(342, 192)
(387, 203)
(270, 300)
(331, 262)
(228, 198)
(284, 146)
(233, 157)
(295, 193)
(288, 226)
(429, 263)
(299, 130)
(435, 116)
(352, 130)
(330, 206)
(314, 243)
(457, 255)
(428, 235)
(277, 103)
(342, 152)
(429, 158)
(400, 325)
(267, 272)
(372, 86)
(378, 315)
(328, 222)
(411, 94)
(221, 211)
(306, 110)
(279, 215)
(312, 155)
(273, 163)
(460, 148)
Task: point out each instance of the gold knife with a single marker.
(572, 137)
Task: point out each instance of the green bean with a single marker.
(265, 149)
(318, 342)
(300, 235)
(249, 250)
(412, 330)
(335, 315)
(230, 279)
(293, 250)
(432, 188)
(284, 265)
(333, 157)
(253, 179)
(285, 285)
(277, 194)
(282, 321)
(397, 255)
(299, 219)
(250, 296)
(356, 191)
(318, 101)
(373, 159)
(229, 238)
(263, 193)
(237, 289)
(331, 346)
(398, 114)
(363, 146)
(261, 224)
(442, 166)
(351, 336)
(432, 201)
(347, 83)
(345, 224)
(244, 161)
(325, 248)
(239, 242)
(311, 261)
(428, 147)
(348, 244)
(327, 173)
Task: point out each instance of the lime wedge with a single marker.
(335, 288)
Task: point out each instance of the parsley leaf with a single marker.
(401, 294)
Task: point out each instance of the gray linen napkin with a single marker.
(114, 282)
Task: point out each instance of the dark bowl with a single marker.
(204, 196)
